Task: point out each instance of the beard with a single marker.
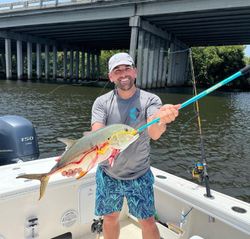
(125, 83)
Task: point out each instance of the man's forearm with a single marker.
(167, 114)
(156, 130)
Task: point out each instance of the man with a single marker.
(130, 175)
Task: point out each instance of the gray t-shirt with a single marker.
(108, 109)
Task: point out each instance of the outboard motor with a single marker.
(18, 140)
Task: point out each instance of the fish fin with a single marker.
(58, 158)
(68, 142)
(87, 133)
(42, 177)
(44, 183)
(112, 157)
(103, 148)
(111, 161)
(92, 163)
(81, 174)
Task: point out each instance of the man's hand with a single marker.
(167, 113)
(71, 172)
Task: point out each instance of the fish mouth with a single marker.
(135, 132)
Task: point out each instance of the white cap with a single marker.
(120, 59)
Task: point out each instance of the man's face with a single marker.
(123, 76)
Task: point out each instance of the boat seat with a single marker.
(196, 237)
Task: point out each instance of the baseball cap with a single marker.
(122, 58)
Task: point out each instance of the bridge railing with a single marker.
(39, 4)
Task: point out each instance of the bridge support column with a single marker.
(83, 65)
(145, 61)
(139, 58)
(47, 70)
(165, 66)
(160, 68)
(88, 65)
(177, 67)
(151, 61)
(65, 72)
(156, 62)
(38, 61)
(149, 47)
(93, 65)
(8, 58)
(134, 23)
(54, 63)
(2, 62)
(19, 47)
(98, 54)
(149, 52)
(29, 60)
(71, 64)
(77, 65)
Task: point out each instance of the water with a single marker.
(64, 111)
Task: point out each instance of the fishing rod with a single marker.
(200, 170)
(241, 72)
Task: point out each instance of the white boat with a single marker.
(67, 209)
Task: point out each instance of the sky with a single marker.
(247, 51)
(3, 1)
(8, 1)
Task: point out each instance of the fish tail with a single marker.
(42, 177)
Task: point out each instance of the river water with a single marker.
(64, 111)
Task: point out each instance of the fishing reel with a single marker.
(97, 225)
(198, 172)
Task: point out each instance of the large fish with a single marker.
(103, 144)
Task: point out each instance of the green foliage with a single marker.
(213, 64)
(104, 58)
(247, 60)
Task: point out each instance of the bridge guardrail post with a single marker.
(26, 4)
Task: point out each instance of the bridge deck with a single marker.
(105, 24)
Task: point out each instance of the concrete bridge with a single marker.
(156, 33)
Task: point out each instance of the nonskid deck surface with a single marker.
(131, 229)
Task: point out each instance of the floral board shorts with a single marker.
(110, 193)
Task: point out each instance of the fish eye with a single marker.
(108, 138)
(126, 129)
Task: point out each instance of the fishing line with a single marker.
(58, 87)
(103, 88)
(204, 172)
(181, 131)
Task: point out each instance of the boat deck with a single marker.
(131, 229)
(70, 204)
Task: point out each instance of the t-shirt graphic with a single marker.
(133, 114)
